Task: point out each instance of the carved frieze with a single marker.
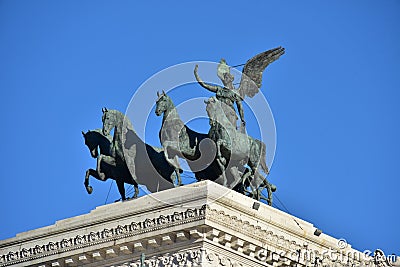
(258, 244)
(107, 234)
(193, 257)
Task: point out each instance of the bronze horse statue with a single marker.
(95, 140)
(178, 140)
(128, 150)
(236, 146)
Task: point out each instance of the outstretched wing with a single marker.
(253, 70)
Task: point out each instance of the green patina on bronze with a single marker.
(237, 159)
(250, 82)
(124, 157)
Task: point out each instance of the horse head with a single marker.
(95, 139)
(109, 121)
(91, 143)
(163, 103)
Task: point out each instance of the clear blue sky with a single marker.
(334, 96)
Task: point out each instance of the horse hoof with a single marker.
(223, 161)
(89, 189)
(273, 187)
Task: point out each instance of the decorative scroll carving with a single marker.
(121, 231)
(186, 258)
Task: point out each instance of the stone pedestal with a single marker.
(202, 224)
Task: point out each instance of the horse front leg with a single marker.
(221, 163)
(177, 169)
(246, 181)
(220, 144)
(261, 184)
(173, 161)
(107, 159)
(93, 173)
(260, 196)
(100, 174)
(89, 172)
(237, 183)
(270, 188)
(253, 182)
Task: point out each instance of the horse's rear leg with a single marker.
(178, 176)
(263, 158)
(121, 189)
(135, 195)
(270, 188)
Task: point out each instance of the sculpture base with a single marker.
(202, 224)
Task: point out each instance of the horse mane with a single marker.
(127, 135)
(170, 102)
(97, 138)
(172, 109)
(169, 99)
(126, 121)
(100, 131)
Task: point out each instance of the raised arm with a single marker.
(209, 87)
(240, 109)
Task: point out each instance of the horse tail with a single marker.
(263, 157)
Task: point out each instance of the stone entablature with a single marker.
(204, 224)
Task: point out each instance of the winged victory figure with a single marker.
(250, 83)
